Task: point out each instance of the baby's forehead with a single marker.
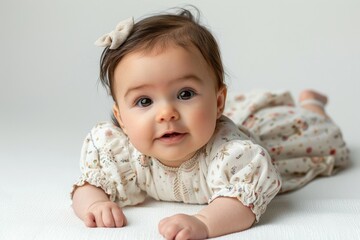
(163, 49)
(163, 65)
(172, 55)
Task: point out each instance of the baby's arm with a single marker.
(222, 216)
(92, 205)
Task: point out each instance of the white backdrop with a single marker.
(49, 92)
(49, 97)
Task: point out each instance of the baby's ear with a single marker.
(221, 98)
(116, 114)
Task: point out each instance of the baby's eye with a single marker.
(186, 94)
(143, 102)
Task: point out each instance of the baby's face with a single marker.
(167, 102)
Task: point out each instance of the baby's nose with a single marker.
(167, 113)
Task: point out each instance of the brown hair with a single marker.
(181, 29)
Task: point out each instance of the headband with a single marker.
(116, 37)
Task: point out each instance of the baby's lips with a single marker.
(171, 134)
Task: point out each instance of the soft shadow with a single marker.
(278, 209)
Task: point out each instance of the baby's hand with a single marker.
(105, 214)
(182, 226)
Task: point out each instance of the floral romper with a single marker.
(285, 148)
(301, 143)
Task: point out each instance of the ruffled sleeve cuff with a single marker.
(97, 179)
(246, 173)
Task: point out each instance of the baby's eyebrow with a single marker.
(188, 77)
(136, 88)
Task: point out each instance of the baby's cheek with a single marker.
(138, 139)
(205, 123)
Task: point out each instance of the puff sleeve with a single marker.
(105, 163)
(243, 170)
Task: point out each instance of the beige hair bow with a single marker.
(116, 37)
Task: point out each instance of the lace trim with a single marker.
(188, 165)
(180, 191)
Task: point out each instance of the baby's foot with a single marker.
(313, 101)
(313, 95)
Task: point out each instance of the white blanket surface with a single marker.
(37, 206)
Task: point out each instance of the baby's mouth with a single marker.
(170, 135)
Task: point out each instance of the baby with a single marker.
(172, 141)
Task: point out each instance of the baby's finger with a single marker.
(183, 234)
(89, 220)
(169, 231)
(162, 224)
(119, 217)
(107, 218)
(98, 219)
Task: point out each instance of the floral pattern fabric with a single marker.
(302, 144)
(269, 146)
(230, 165)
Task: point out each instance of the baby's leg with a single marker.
(313, 101)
